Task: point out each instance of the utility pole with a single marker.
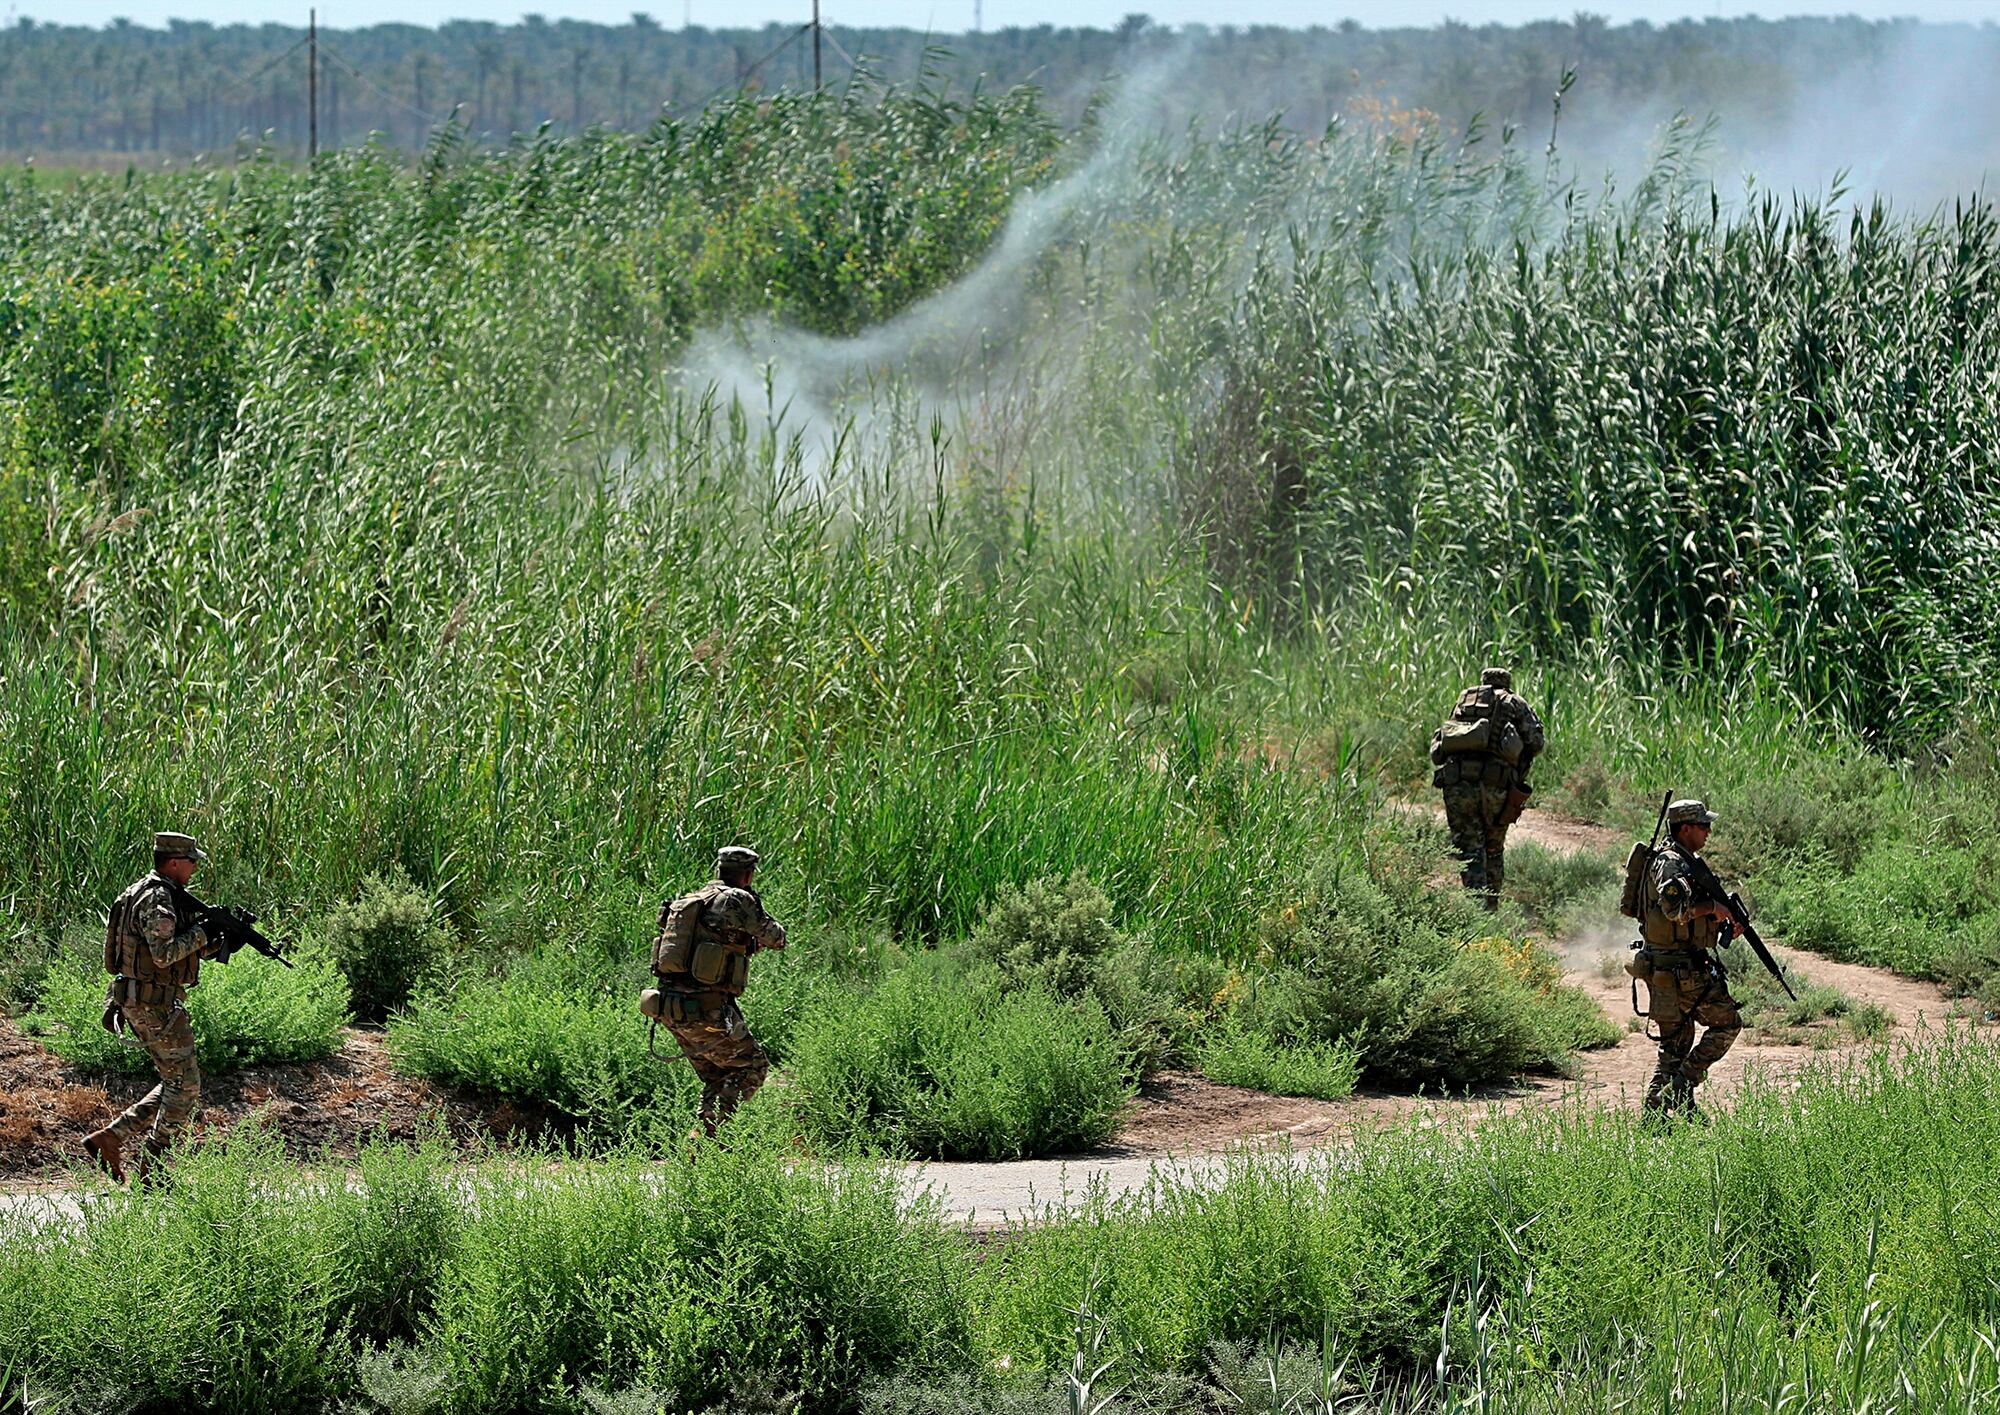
(312, 84)
(978, 19)
(815, 46)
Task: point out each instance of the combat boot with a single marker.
(1684, 1105)
(103, 1148)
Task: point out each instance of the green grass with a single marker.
(247, 1012)
(942, 1063)
(1236, 1057)
(1838, 1237)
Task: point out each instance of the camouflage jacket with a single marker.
(1503, 707)
(737, 917)
(153, 937)
(1669, 921)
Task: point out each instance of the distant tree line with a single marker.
(127, 91)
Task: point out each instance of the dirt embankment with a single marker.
(326, 1107)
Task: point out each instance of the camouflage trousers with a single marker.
(167, 1034)
(1678, 1001)
(1472, 812)
(717, 1043)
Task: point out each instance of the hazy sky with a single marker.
(953, 15)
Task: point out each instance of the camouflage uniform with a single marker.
(1687, 987)
(704, 1017)
(1475, 784)
(153, 947)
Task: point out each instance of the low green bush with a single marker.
(1830, 809)
(538, 1037)
(949, 1064)
(1560, 888)
(1416, 977)
(1057, 935)
(246, 1012)
(246, 1286)
(1809, 1212)
(388, 941)
(1050, 933)
(1924, 908)
(1237, 1056)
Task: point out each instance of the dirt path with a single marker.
(1614, 1076)
(1179, 1124)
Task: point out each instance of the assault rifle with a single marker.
(1707, 886)
(232, 928)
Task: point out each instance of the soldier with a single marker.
(1686, 986)
(702, 961)
(153, 947)
(1482, 754)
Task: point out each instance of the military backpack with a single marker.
(1632, 899)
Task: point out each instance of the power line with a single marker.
(326, 51)
(259, 73)
(841, 50)
(746, 75)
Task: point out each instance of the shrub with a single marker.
(695, 1277)
(953, 1066)
(1238, 1056)
(386, 940)
(539, 1038)
(1416, 978)
(1828, 810)
(1057, 934)
(1050, 934)
(1144, 994)
(1557, 887)
(248, 1012)
(1919, 907)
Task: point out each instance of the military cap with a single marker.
(734, 857)
(1690, 812)
(173, 845)
(1495, 678)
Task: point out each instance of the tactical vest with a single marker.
(127, 955)
(1662, 933)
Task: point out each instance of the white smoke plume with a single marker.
(802, 381)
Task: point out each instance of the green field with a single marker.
(1049, 548)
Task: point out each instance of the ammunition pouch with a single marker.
(676, 1006)
(715, 964)
(148, 994)
(1457, 738)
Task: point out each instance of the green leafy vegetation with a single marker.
(951, 1064)
(386, 941)
(246, 1012)
(1423, 1265)
(1236, 1057)
(464, 552)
